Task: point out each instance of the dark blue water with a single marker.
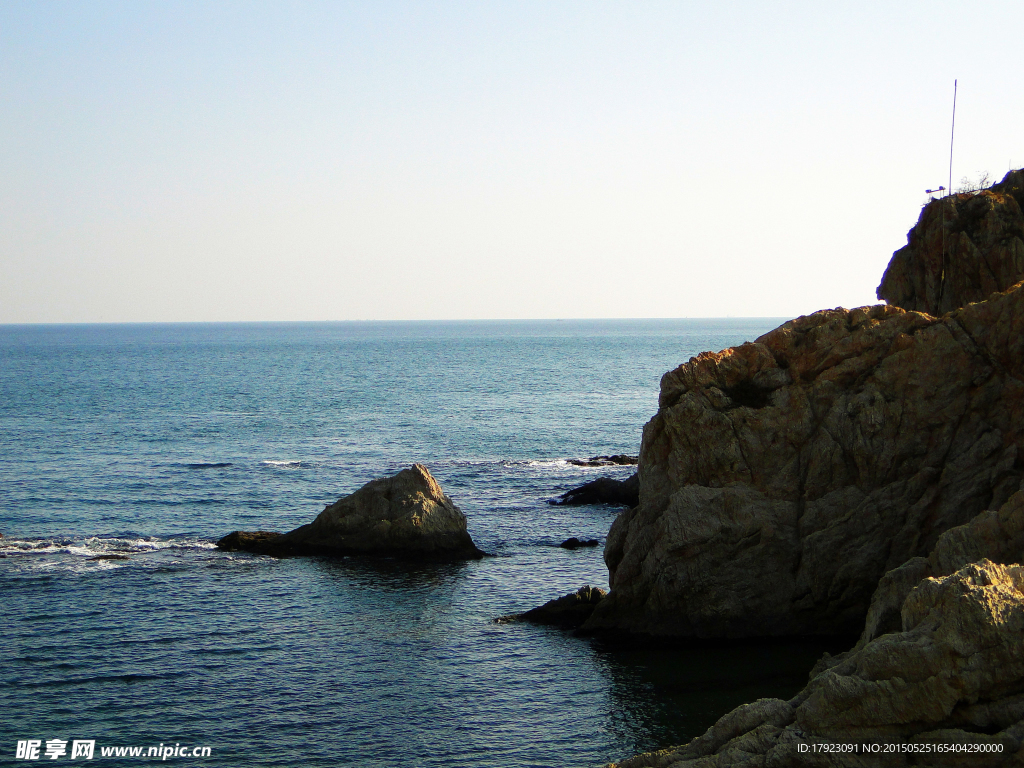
(151, 441)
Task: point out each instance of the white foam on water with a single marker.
(559, 463)
(89, 554)
(91, 546)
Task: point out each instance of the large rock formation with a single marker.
(405, 515)
(946, 685)
(779, 480)
(962, 249)
(854, 464)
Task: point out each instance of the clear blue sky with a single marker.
(378, 160)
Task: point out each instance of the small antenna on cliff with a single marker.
(951, 130)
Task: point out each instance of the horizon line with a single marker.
(444, 320)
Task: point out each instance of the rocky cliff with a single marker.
(962, 249)
(781, 479)
(854, 470)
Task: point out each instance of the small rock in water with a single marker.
(246, 541)
(108, 557)
(574, 543)
(619, 459)
(604, 490)
(568, 611)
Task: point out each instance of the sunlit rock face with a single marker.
(405, 515)
(780, 479)
(853, 471)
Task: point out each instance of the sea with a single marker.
(149, 442)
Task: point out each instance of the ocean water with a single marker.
(151, 441)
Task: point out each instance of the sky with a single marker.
(248, 161)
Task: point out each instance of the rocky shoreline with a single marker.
(853, 469)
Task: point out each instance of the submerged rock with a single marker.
(246, 541)
(574, 543)
(404, 515)
(108, 557)
(604, 490)
(619, 459)
(568, 611)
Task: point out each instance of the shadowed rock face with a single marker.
(780, 479)
(962, 249)
(951, 672)
(404, 515)
(996, 535)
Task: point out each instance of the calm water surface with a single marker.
(152, 441)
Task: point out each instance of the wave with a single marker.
(544, 463)
(99, 679)
(107, 548)
(273, 463)
(573, 465)
(502, 463)
(208, 465)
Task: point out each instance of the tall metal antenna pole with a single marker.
(951, 130)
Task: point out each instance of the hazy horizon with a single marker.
(334, 161)
(414, 321)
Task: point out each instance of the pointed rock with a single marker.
(406, 515)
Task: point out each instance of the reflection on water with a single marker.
(388, 576)
(667, 696)
(363, 662)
